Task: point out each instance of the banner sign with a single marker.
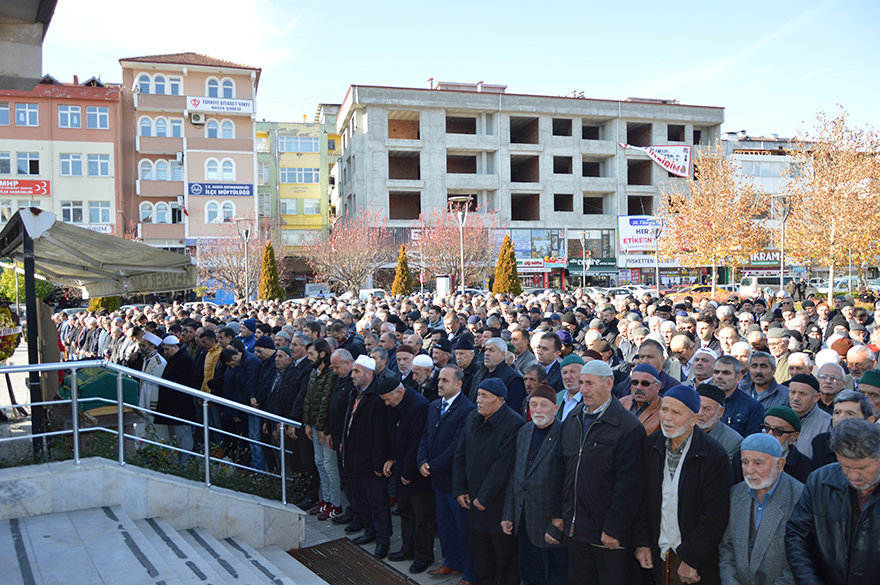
(211, 104)
(221, 189)
(635, 233)
(24, 187)
(102, 228)
(675, 159)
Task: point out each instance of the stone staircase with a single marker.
(104, 545)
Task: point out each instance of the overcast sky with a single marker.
(771, 64)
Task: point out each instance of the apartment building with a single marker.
(60, 151)
(551, 167)
(188, 129)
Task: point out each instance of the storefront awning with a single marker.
(99, 264)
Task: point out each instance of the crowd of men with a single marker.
(546, 438)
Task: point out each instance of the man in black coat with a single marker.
(601, 459)
(548, 349)
(341, 361)
(415, 498)
(446, 418)
(178, 368)
(686, 504)
(832, 534)
(346, 339)
(483, 461)
(364, 452)
(303, 458)
(494, 357)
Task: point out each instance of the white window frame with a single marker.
(223, 127)
(69, 116)
(31, 114)
(143, 78)
(156, 79)
(314, 203)
(4, 107)
(296, 143)
(141, 176)
(227, 163)
(172, 80)
(7, 158)
(175, 125)
(142, 126)
(212, 125)
(230, 95)
(5, 210)
(264, 204)
(101, 116)
(289, 206)
(212, 207)
(264, 173)
(101, 164)
(208, 169)
(161, 167)
(224, 216)
(162, 207)
(208, 87)
(70, 164)
(297, 175)
(68, 208)
(141, 208)
(29, 156)
(176, 171)
(164, 122)
(102, 208)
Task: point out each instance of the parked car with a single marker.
(137, 308)
(619, 292)
(189, 306)
(640, 290)
(377, 293)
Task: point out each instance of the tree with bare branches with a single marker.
(710, 219)
(834, 195)
(441, 247)
(354, 249)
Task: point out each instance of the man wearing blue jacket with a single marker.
(239, 384)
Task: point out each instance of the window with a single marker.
(176, 213)
(69, 117)
(177, 128)
(146, 127)
(228, 89)
(5, 163)
(213, 88)
(228, 171)
(97, 117)
(146, 170)
(228, 211)
(213, 128)
(176, 85)
(72, 211)
(311, 206)
(212, 212)
(331, 144)
(176, 171)
(262, 143)
(25, 203)
(99, 165)
(27, 115)
(28, 163)
(228, 130)
(71, 165)
(4, 114)
(161, 128)
(298, 175)
(146, 212)
(5, 210)
(211, 173)
(264, 204)
(294, 237)
(161, 213)
(159, 85)
(298, 144)
(263, 174)
(288, 207)
(161, 171)
(144, 83)
(99, 212)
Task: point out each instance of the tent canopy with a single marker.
(99, 264)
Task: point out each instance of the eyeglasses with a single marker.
(824, 377)
(774, 431)
(644, 383)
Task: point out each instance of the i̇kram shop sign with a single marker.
(221, 189)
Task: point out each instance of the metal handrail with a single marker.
(207, 400)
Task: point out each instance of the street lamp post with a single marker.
(243, 225)
(585, 264)
(463, 203)
(783, 216)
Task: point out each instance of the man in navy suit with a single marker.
(548, 350)
(446, 417)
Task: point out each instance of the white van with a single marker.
(750, 285)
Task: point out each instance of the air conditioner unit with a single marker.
(197, 118)
(180, 155)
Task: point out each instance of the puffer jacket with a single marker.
(316, 408)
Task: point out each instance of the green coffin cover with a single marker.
(100, 383)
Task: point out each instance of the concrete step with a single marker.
(186, 563)
(290, 566)
(17, 555)
(96, 545)
(220, 558)
(271, 574)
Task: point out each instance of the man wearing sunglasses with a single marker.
(644, 398)
(784, 425)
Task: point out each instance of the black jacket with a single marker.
(483, 461)
(267, 376)
(338, 405)
(821, 543)
(513, 380)
(473, 375)
(440, 440)
(554, 377)
(797, 465)
(603, 474)
(365, 438)
(823, 454)
(704, 503)
(297, 391)
(179, 368)
(406, 425)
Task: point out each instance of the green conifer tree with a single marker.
(506, 277)
(403, 279)
(269, 288)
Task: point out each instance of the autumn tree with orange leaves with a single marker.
(709, 220)
(834, 195)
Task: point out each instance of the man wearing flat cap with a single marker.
(784, 425)
(484, 459)
(753, 549)
(803, 394)
(533, 492)
(687, 496)
(709, 420)
(602, 476)
(644, 398)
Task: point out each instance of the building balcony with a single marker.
(168, 231)
(145, 102)
(158, 145)
(481, 142)
(599, 147)
(524, 147)
(472, 181)
(404, 144)
(159, 188)
(235, 144)
(405, 184)
(530, 187)
(599, 184)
